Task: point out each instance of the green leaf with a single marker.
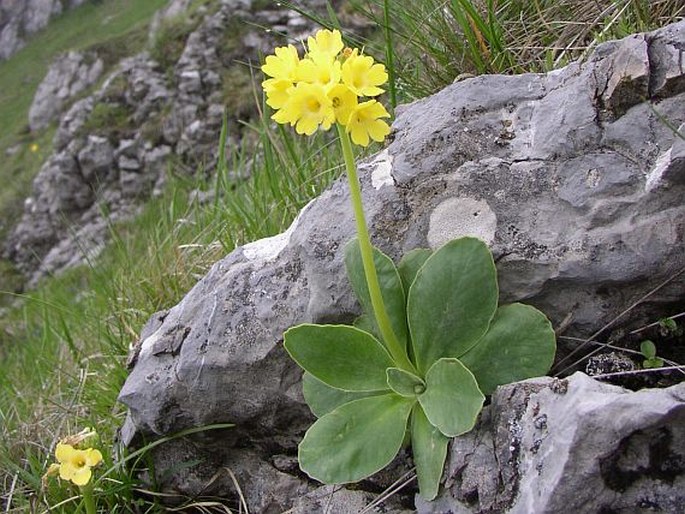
(452, 400)
(390, 284)
(452, 301)
(341, 356)
(652, 363)
(355, 440)
(405, 383)
(367, 324)
(519, 344)
(648, 349)
(323, 398)
(411, 263)
(429, 447)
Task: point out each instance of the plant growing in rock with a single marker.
(431, 342)
(648, 350)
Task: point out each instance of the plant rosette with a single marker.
(458, 344)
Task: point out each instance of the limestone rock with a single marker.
(555, 179)
(21, 18)
(96, 159)
(145, 113)
(572, 445)
(69, 75)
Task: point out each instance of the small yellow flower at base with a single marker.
(362, 76)
(75, 465)
(34, 148)
(364, 122)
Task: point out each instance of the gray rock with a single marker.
(96, 159)
(572, 445)
(69, 75)
(552, 178)
(139, 107)
(21, 18)
(128, 163)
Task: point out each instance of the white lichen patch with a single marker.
(382, 170)
(459, 217)
(656, 175)
(269, 248)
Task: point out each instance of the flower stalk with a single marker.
(393, 345)
(88, 498)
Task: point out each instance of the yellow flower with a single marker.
(362, 76)
(74, 465)
(319, 69)
(277, 92)
(344, 102)
(307, 107)
(283, 65)
(364, 122)
(34, 148)
(327, 42)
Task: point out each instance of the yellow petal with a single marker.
(64, 452)
(93, 457)
(82, 476)
(378, 130)
(66, 471)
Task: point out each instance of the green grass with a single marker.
(92, 24)
(63, 347)
(75, 331)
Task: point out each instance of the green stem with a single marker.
(88, 498)
(396, 350)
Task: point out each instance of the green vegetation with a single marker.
(112, 120)
(368, 397)
(113, 29)
(63, 347)
(170, 40)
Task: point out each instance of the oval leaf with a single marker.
(405, 383)
(367, 324)
(429, 447)
(452, 300)
(519, 344)
(390, 284)
(452, 400)
(355, 440)
(411, 263)
(340, 356)
(323, 398)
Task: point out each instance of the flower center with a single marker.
(313, 105)
(336, 102)
(80, 461)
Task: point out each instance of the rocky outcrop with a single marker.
(21, 18)
(572, 445)
(573, 178)
(111, 148)
(69, 75)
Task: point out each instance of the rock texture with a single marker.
(21, 18)
(571, 177)
(69, 75)
(111, 149)
(572, 445)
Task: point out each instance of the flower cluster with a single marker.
(325, 87)
(75, 463)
